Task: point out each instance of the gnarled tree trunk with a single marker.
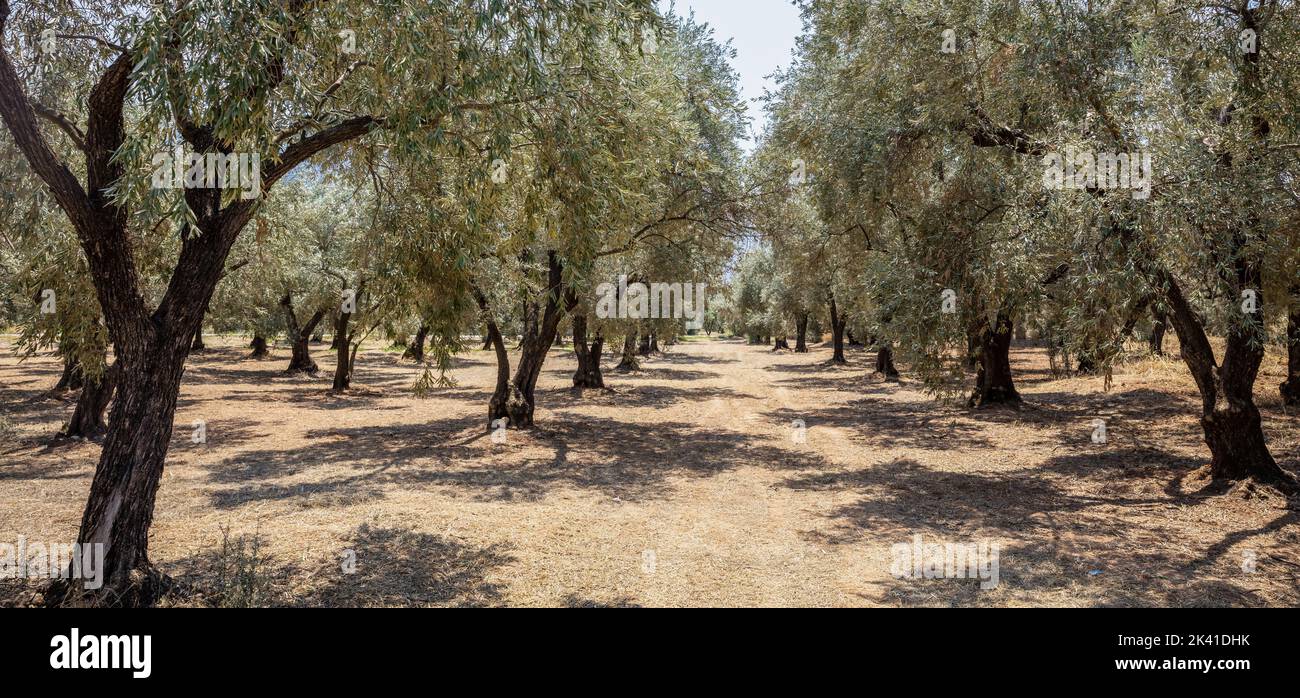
(259, 347)
(993, 381)
(300, 360)
(516, 400)
(588, 374)
(536, 343)
(415, 351)
(628, 362)
(87, 421)
(885, 360)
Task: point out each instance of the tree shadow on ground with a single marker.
(634, 395)
(575, 601)
(922, 425)
(574, 451)
(1150, 579)
(401, 567)
(305, 397)
(1052, 541)
(904, 492)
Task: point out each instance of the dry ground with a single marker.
(684, 487)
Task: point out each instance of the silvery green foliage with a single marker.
(937, 157)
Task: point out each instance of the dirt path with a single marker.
(689, 485)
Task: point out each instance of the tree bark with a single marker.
(516, 400)
(993, 380)
(87, 421)
(644, 349)
(415, 351)
(259, 347)
(72, 378)
(885, 361)
(801, 343)
(654, 343)
(537, 342)
(497, 404)
(629, 362)
(343, 363)
(300, 360)
(838, 323)
(780, 343)
(1230, 420)
(588, 374)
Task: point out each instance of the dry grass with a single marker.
(684, 487)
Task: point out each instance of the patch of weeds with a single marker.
(244, 574)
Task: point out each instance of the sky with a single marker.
(762, 32)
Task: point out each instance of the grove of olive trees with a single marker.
(385, 233)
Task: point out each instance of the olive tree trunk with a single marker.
(993, 381)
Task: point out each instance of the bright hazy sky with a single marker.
(763, 34)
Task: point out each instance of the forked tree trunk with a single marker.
(151, 345)
(885, 361)
(1291, 386)
(300, 360)
(259, 347)
(1230, 420)
(993, 381)
(801, 343)
(87, 421)
(536, 343)
(838, 323)
(628, 362)
(516, 400)
(588, 374)
(780, 343)
(415, 351)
